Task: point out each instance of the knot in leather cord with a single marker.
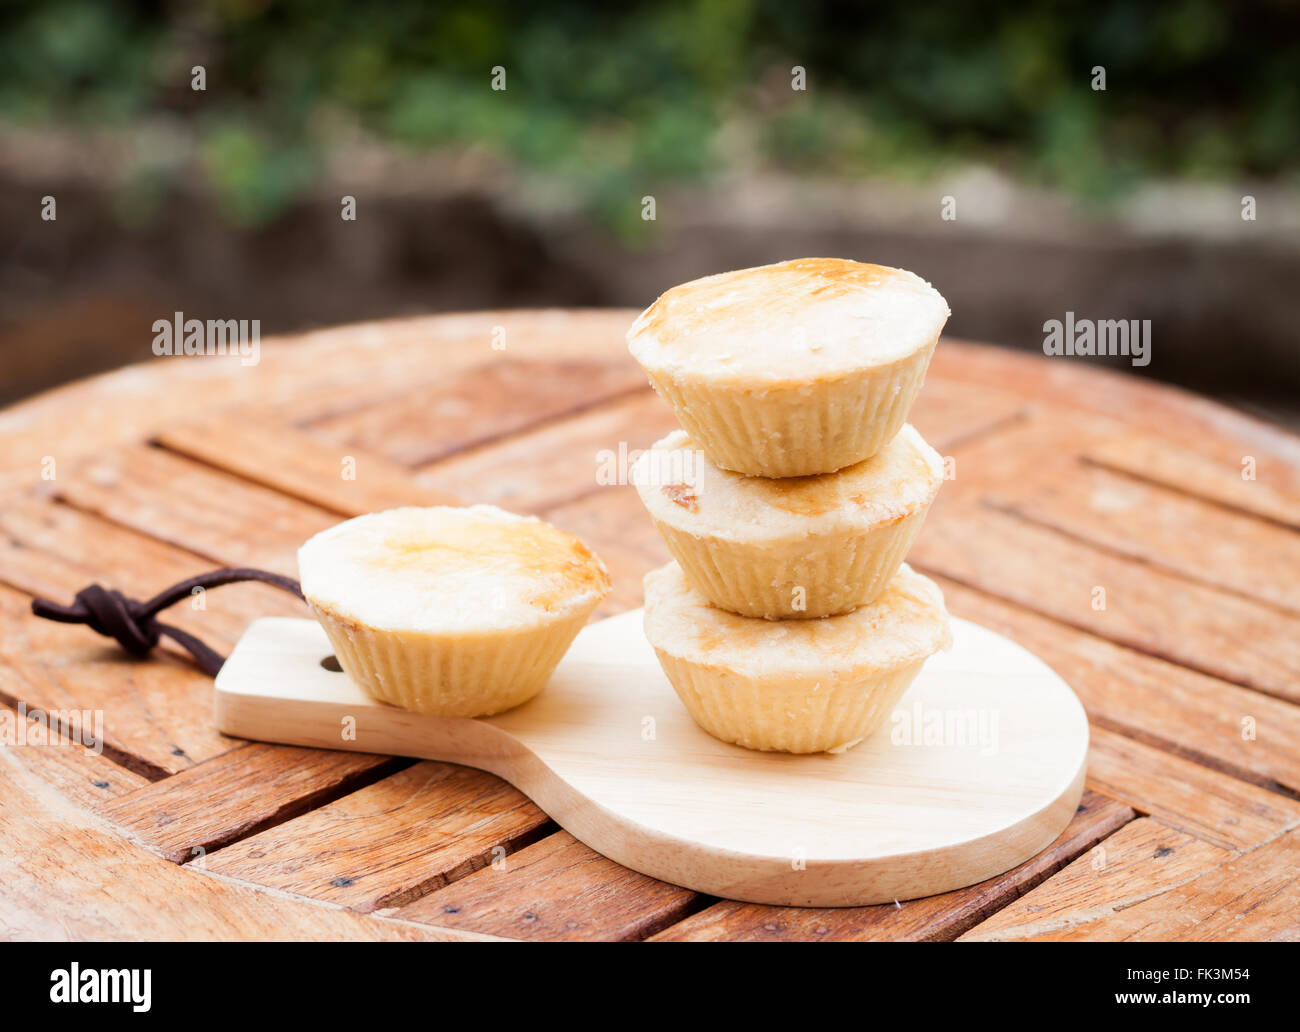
(134, 625)
(115, 616)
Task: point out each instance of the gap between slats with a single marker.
(297, 806)
(74, 736)
(1205, 499)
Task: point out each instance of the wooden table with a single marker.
(1101, 521)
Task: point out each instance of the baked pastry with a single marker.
(796, 686)
(792, 369)
(793, 548)
(455, 612)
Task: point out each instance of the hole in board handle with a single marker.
(331, 663)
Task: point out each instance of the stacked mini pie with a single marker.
(789, 620)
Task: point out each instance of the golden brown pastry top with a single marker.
(446, 569)
(794, 321)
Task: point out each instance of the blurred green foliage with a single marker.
(615, 101)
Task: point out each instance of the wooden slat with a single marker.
(511, 474)
(1199, 801)
(391, 842)
(1244, 732)
(1166, 529)
(1038, 443)
(342, 480)
(192, 506)
(189, 814)
(1250, 898)
(948, 414)
(1141, 861)
(935, 917)
(316, 378)
(1072, 388)
(1224, 635)
(77, 772)
(65, 875)
(1273, 494)
(503, 395)
(555, 889)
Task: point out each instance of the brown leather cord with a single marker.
(133, 624)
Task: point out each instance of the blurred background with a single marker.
(224, 202)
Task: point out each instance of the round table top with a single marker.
(1141, 540)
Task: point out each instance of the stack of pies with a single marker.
(789, 620)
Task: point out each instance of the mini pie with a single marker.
(455, 612)
(798, 547)
(792, 369)
(796, 686)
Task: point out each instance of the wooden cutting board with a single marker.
(980, 767)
